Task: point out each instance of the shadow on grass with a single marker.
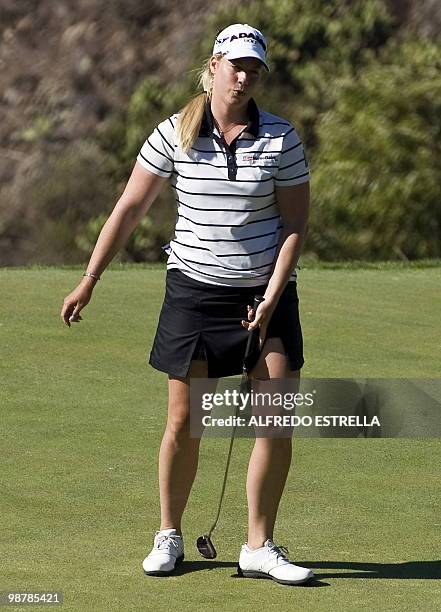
(411, 570)
(197, 566)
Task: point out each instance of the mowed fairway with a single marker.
(81, 421)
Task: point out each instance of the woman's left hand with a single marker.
(260, 318)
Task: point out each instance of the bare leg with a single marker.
(179, 453)
(270, 459)
(267, 473)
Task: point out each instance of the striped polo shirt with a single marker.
(228, 224)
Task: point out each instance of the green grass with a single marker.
(82, 416)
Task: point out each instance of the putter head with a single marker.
(205, 547)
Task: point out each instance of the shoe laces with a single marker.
(165, 540)
(280, 552)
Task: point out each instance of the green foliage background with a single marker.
(364, 94)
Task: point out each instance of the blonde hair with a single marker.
(190, 118)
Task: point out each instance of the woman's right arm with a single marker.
(141, 190)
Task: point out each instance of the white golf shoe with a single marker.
(167, 553)
(270, 561)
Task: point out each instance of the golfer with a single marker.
(240, 179)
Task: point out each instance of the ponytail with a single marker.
(190, 118)
(189, 121)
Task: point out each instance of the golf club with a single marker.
(204, 544)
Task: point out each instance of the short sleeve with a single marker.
(157, 153)
(293, 168)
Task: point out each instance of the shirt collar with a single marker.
(207, 125)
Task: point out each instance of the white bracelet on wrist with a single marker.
(95, 276)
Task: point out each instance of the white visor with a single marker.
(241, 40)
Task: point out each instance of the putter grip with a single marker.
(252, 348)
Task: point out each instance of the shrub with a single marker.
(377, 170)
(52, 199)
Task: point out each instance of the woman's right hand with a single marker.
(140, 192)
(75, 302)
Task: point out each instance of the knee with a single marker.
(178, 421)
(177, 428)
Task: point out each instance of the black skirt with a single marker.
(200, 320)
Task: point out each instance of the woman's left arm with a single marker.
(293, 204)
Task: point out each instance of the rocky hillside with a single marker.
(67, 67)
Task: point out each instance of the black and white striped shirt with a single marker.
(228, 224)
